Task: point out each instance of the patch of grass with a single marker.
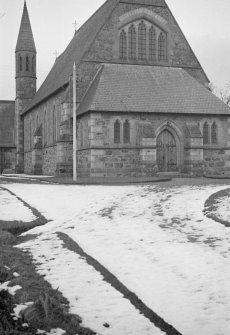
(50, 309)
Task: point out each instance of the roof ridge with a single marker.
(62, 68)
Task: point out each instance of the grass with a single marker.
(50, 309)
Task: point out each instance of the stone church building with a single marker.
(143, 103)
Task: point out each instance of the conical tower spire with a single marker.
(25, 40)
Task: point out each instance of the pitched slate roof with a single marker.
(25, 40)
(135, 88)
(83, 38)
(7, 124)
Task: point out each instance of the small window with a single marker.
(45, 128)
(117, 132)
(161, 47)
(206, 133)
(126, 132)
(27, 63)
(30, 135)
(36, 122)
(54, 125)
(132, 42)
(20, 63)
(33, 64)
(142, 41)
(152, 43)
(123, 45)
(214, 133)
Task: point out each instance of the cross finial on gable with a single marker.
(75, 23)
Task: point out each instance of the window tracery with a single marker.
(161, 47)
(143, 40)
(152, 43)
(132, 42)
(123, 45)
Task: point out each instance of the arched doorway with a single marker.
(166, 152)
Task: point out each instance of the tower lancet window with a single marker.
(27, 63)
(33, 64)
(146, 42)
(20, 63)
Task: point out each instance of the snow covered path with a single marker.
(12, 209)
(157, 242)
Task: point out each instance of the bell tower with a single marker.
(25, 61)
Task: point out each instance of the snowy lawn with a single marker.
(223, 209)
(156, 240)
(12, 209)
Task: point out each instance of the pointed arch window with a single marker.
(54, 125)
(45, 127)
(126, 132)
(206, 133)
(30, 136)
(20, 63)
(123, 45)
(33, 64)
(214, 133)
(27, 63)
(132, 42)
(117, 132)
(36, 122)
(142, 40)
(152, 43)
(161, 47)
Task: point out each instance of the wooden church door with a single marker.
(166, 152)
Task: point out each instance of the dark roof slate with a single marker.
(135, 88)
(25, 40)
(83, 38)
(7, 124)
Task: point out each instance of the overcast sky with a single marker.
(205, 23)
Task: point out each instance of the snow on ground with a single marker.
(223, 209)
(156, 240)
(12, 209)
(11, 289)
(96, 301)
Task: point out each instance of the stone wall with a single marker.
(50, 136)
(98, 155)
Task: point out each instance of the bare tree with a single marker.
(1, 15)
(222, 93)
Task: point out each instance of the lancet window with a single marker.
(132, 42)
(126, 131)
(144, 41)
(214, 133)
(206, 133)
(123, 45)
(117, 132)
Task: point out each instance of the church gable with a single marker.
(144, 32)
